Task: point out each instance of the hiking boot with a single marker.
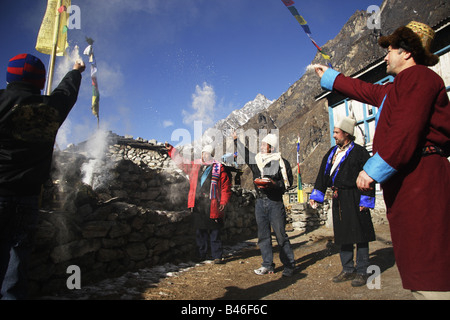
(263, 270)
(344, 276)
(360, 280)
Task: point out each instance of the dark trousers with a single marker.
(362, 257)
(212, 237)
(18, 220)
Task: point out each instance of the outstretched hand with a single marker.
(168, 146)
(320, 69)
(79, 65)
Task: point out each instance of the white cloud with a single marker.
(203, 104)
(167, 123)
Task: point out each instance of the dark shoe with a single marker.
(360, 280)
(344, 276)
(219, 261)
(200, 259)
(287, 272)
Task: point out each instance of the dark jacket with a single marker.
(272, 170)
(350, 225)
(29, 123)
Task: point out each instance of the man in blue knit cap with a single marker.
(29, 123)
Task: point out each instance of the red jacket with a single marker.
(223, 192)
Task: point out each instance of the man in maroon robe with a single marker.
(410, 147)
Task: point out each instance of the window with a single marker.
(363, 113)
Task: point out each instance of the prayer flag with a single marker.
(95, 92)
(288, 2)
(46, 36)
(290, 5)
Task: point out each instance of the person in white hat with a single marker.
(272, 175)
(352, 222)
(209, 193)
(410, 150)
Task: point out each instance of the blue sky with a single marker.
(164, 63)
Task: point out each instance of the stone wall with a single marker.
(131, 215)
(302, 217)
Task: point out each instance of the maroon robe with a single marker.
(415, 114)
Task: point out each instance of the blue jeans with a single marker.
(362, 258)
(269, 214)
(18, 220)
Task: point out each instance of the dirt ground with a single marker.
(317, 261)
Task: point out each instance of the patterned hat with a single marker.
(26, 68)
(425, 33)
(416, 38)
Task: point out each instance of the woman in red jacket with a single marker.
(209, 192)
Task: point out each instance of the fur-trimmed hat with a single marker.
(416, 38)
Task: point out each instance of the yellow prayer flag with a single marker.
(44, 43)
(301, 20)
(95, 105)
(326, 56)
(300, 196)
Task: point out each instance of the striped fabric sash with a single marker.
(215, 176)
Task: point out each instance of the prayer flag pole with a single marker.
(55, 44)
(299, 176)
(52, 36)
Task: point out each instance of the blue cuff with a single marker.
(366, 201)
(328, 79)
(317, 195)
(378, 169)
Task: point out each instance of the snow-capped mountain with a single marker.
(239, 117)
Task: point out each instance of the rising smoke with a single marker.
(95, 172)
